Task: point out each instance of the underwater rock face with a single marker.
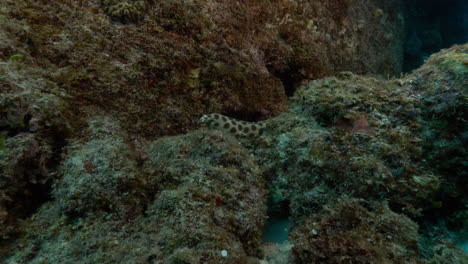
(176, 199)
(159, 65)
(440, 88)
(354, 231)
(99, 173)
(33, 127)
(350, 135)
(201, 197)
(85, 96)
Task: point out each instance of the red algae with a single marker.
(361, 125)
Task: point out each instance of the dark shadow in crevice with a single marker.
(253, 116)
(13, 131)
(444, 222)
(33, 175)
(289, 77)
(442, 210)
(32, 184)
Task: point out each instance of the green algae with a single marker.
(122, 194)
(349, 226)
(16, 57)
(124, 10)
(197, 194)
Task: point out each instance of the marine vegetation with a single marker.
(104, 158)
(124, 10)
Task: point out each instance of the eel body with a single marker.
(236, 127)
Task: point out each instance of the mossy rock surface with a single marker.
(124, 10)
(101, 159)
(352, 230)
(185, 197)
(169, 62)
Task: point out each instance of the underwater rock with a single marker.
(33, 129)
(440, 88)
(173, 61)
(99, 173)
(324, 143)
(184, 198)
(124, 10)
(86, 175)
(201, 197)
(356, 231)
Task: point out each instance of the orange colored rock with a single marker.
(361, 125)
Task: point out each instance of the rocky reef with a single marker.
(159, 65)
(103, 160)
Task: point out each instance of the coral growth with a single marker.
(33, 128)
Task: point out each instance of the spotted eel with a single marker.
(236, 127)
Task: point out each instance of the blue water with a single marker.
(276, 230)
(464, 246)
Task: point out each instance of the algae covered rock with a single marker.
(99, 173)
(184, 198)
(34, 124)
(126, 10)
(353, 230)
(172, 61)
(86, 175)
(213, 198)
(352, 136)
(349, 136)
(349, 161)
(440, 86)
